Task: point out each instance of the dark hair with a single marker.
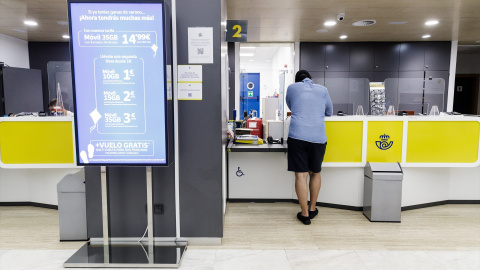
(302, 75)
(52, 103)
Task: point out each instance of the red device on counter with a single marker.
(255, 124)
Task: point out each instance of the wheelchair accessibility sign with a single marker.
(239, 173)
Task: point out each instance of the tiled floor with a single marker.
(240, 259)
(442, 237)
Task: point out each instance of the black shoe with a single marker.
(312, 214)
(304, 220)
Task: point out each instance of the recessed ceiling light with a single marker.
(426, 36)
(433, 22)
(62, 22)
(330, 23)
(364, 23)
(66, 36)
(322, 31)
(246, 54)
(30, 23)
(397, 22)
(343, 37)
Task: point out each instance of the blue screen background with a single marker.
(141, 140)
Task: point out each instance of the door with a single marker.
(466, 94)
(249, 93)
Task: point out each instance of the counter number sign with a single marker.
(236, 31)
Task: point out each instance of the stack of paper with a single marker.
(248, 139)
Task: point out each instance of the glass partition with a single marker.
(434, 94)
(348, 93)
(59, 74)
(413, 95)
(410, 95)
(358, 94)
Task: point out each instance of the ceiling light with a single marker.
(66, 36)
(246, 54)
(397, 22)
(343, 37)
(322, 31)
(30, 23)
(364, 23)
(330, 23)
(426, 36)
(433, 22)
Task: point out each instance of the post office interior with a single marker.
(426, 60)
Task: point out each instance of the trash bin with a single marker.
(72, 207)
(382, 193)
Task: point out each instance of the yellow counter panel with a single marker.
(344, 141)
(36, 141)
(443, 142)
(384, 141)
(413, 141)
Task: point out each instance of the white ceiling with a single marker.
(290, 20)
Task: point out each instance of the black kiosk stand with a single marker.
(149, 253)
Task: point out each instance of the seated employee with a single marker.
(52, 107)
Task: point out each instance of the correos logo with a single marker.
(384, 144)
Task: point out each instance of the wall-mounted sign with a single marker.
(190, 82)
(119, 76)
(236, 31)
(200, 45)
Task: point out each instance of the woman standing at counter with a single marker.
(307, 139)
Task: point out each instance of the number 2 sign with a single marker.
(236, 31)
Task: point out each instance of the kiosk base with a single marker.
(128, 255)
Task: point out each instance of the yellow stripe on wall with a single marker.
(344, 141)
(36, 142)
(443, 141)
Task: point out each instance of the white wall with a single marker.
(31, 185)
(14, 52)
(464, 184)
(344, 186)
(469, 64)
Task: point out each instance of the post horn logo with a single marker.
(384, 144)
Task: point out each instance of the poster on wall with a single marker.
(119, 75)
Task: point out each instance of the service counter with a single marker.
(37, 142)
(35, 154)
(439, 156)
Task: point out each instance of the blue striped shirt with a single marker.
(309, 103)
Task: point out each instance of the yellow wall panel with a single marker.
(344, 141)
(384, 141)
(443, 141)
(36, 142)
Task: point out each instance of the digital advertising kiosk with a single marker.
(120, 70)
